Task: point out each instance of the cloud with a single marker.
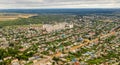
(59, 3)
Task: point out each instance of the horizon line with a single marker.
(56, 8)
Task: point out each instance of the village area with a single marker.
(87, 40)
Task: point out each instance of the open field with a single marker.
(13, 16)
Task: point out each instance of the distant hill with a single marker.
(62, 11)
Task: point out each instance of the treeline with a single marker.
(13, 53)
(36, 20)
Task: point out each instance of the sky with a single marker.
(30, 4)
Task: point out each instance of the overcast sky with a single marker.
(5, 4)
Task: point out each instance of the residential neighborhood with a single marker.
(86, 40)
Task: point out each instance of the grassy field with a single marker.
(35, 19)
(13, 16)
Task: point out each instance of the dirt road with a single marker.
(45, 61)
